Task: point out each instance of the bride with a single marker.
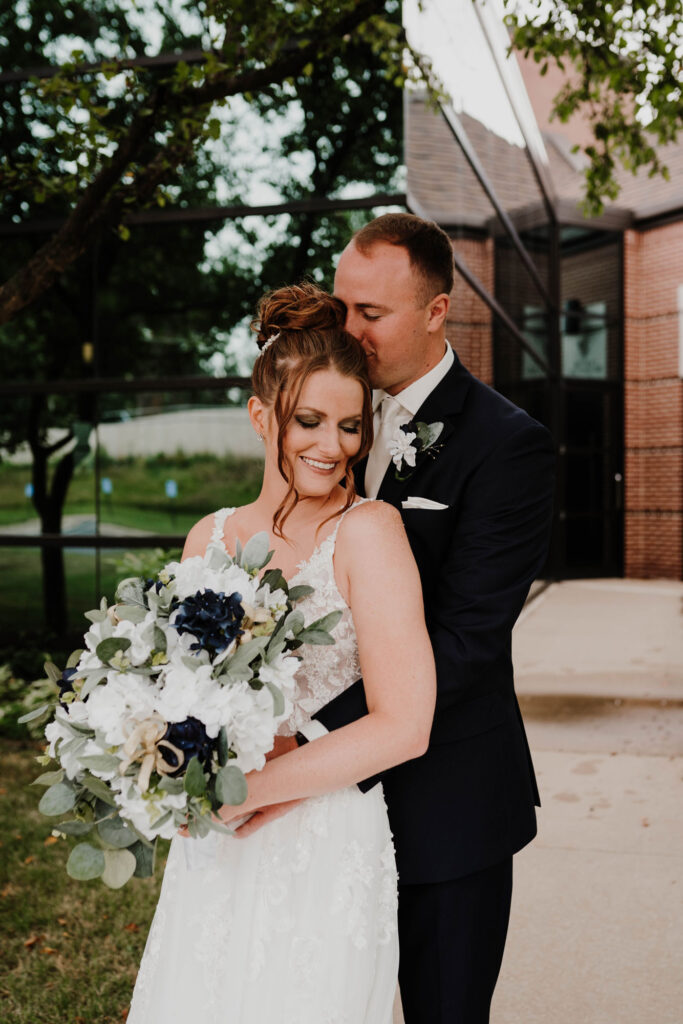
(296, 923)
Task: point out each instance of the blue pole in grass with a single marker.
(171, 490)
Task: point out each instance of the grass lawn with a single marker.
(204, 482)
(70, 950)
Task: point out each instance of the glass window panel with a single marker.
(451, 34)
(590, 274)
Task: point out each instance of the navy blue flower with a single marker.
(151, 584)
(190, 737)
(214, 619)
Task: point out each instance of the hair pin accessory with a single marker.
(270, 341)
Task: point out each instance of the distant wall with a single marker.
(653, 403)
(193, 431)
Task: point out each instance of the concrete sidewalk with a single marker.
(596, 932)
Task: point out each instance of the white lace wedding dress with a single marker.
(295, 924)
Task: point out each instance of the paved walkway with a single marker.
(596, 933)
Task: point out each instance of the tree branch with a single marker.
(101, 203)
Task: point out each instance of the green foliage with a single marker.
(624, 65)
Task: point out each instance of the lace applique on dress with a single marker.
(326, 671)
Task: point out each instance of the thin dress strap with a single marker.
(333, 536)
(219, 518)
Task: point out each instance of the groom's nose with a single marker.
(353, 324)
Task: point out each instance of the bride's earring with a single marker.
(259, 437)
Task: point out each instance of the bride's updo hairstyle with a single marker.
(300, 330)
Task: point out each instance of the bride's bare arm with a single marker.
(374, 563)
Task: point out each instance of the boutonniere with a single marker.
(413, 441)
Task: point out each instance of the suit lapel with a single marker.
(444, 404)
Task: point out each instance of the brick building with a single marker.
(578, 320)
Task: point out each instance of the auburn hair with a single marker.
(300, 330)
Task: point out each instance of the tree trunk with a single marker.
(49, 504)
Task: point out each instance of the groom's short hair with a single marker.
(429, 248)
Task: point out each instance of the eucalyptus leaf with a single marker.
(327, 623)
(144, 859)
(159, 639)
(49, 778)
(58, 799)
(95, 616)
(107, 649)
(119, 866)
(162, 820)
(316, 637)
(199, 827)
(74, 658)
(115, 832)
(85, 862)
(195, 783)
(130, 591)
(223, 746)
(99, 788)
(275, 580)
(76, 828)
(81, 731)
(237, 666)
(91, 683)
(134, 613)
(100, 762)
(31, 716)
(301, 590)
(172, 786)
(52, 672)
(238, 551)
(219, 826)
(256, 552)
(428, 433)
(294, 622)
(231, 785)
(278, 699)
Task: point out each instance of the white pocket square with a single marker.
(422, 503)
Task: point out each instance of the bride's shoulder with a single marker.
(202, 532)
(369, 522)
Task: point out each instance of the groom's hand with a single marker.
(264, 817)
(281, 745)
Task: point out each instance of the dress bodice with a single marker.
(326, 670)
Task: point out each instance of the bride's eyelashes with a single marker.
(348, 428)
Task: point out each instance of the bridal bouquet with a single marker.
(178, 693)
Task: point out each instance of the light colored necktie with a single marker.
(391, 414)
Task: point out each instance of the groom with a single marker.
(476, 502)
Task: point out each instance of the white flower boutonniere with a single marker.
(413, 441)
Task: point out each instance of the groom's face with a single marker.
(386, 312)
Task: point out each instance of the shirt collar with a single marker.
(412, 397)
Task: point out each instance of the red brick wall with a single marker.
(468, 326)
(653, 399)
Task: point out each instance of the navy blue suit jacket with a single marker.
(468, 802)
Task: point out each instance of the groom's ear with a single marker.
(438, 308)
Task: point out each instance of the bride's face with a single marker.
(323, 433)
